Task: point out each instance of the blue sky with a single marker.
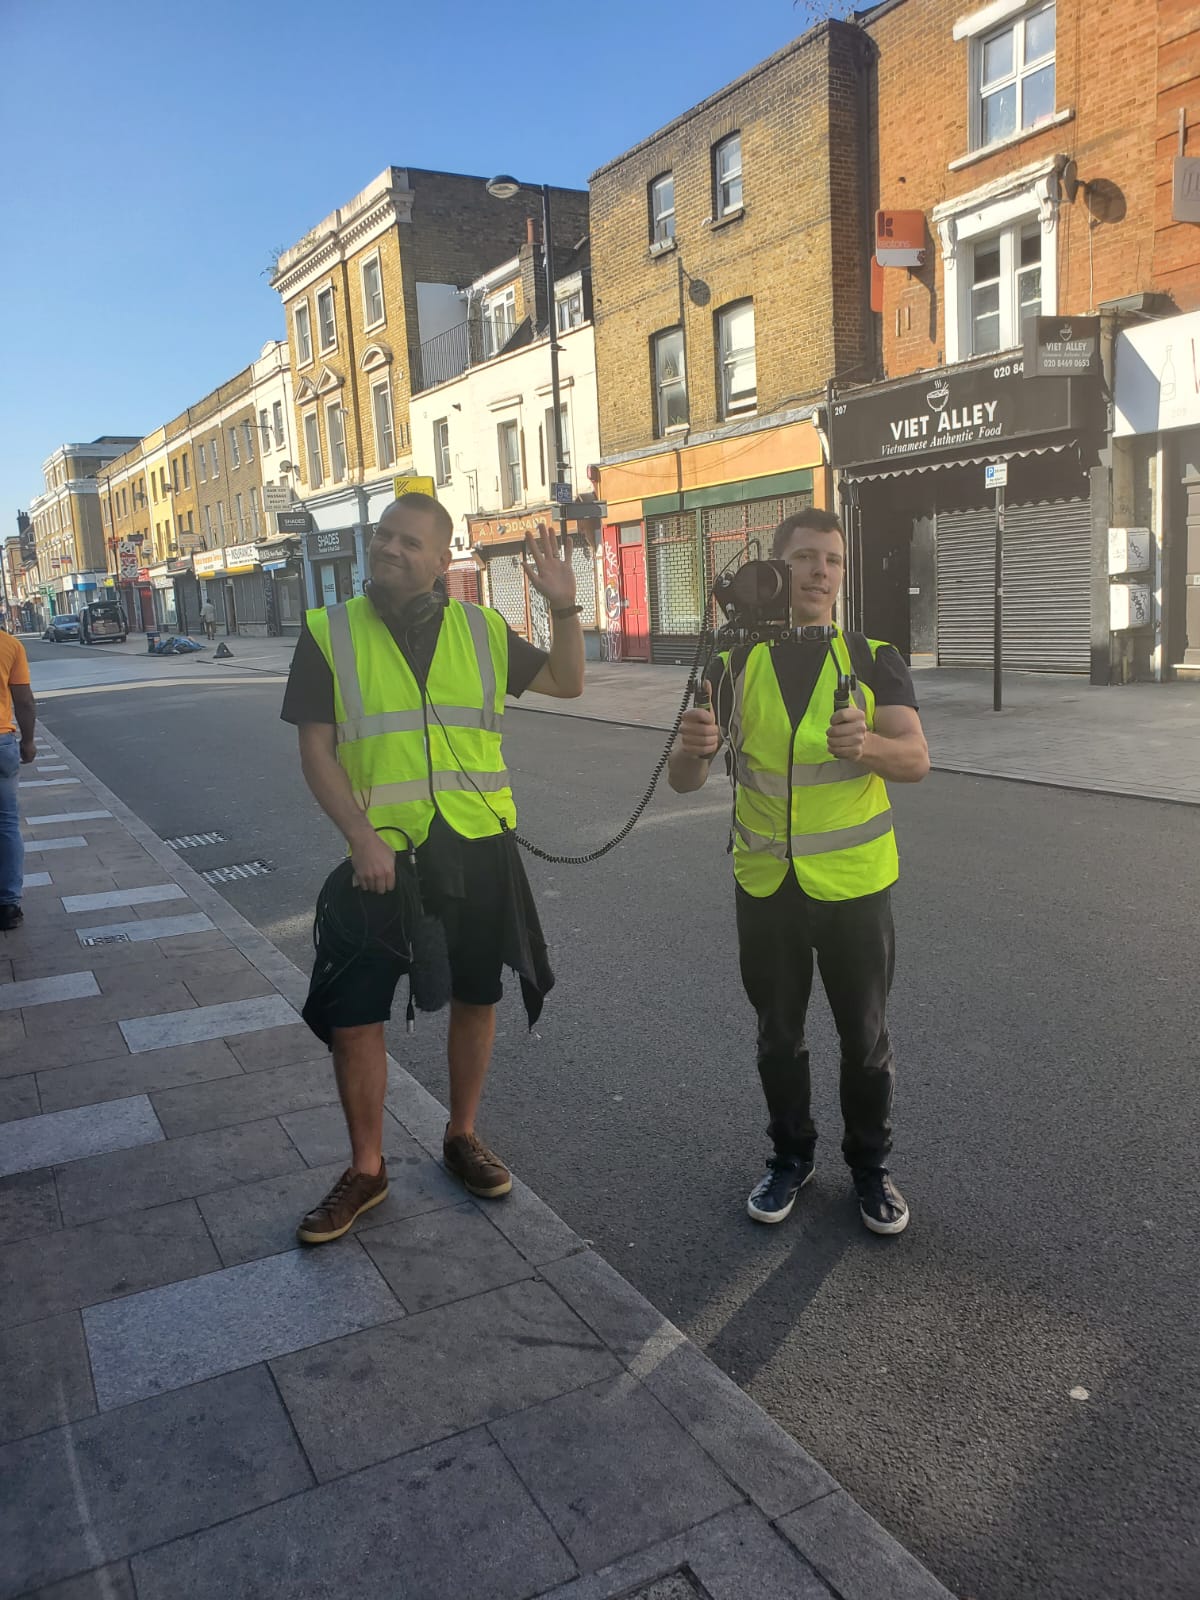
(154, 155)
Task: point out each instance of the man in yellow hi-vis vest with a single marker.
(399, 695)
(814, 859)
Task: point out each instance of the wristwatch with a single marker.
(567, 611)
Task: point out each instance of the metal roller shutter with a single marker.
(506, 585)
(462, 583)
(250, 599)
(1047, 586)
(583, 564)
(965, 557)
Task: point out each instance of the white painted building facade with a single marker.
(486, 439)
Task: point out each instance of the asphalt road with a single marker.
(1044, 1017)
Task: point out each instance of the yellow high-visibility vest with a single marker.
(795, 803)
(400, 750)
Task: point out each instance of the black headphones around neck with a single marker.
(414, 613)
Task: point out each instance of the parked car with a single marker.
(62, 628)
(102, 622)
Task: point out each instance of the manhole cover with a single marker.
(243, 869)
(191, 841)
(107, 938)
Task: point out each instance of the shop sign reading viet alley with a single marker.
(950, 409)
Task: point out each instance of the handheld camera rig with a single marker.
(756, 600)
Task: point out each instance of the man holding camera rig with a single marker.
(814, 725)
(399, 697)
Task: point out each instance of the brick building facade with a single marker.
(184, 515)
(1043, 185)
(371, 294)
(731, 281)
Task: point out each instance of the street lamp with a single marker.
(505, 188)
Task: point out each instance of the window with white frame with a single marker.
(1012, 76)
(303, 330)
(385, 432)
(216, 460)
(312, 451)
(235, 456)
(187, 471)
(208, 527)
(248, 435)
(264, 429)
(1004, 289)
(670, 380)
(372, 292)
(662, 208)
(735, 344)
(727, 176)
(221, 520)
(499, 320)
(241, 516)
(326, 325)
(277, 418)
(570, 311)
(509, 442)
(335, 427)
(441, 449)
(254, 512)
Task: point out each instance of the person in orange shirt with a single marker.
(18, 714)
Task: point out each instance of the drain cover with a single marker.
(190, 841)
(243, 869)
(107, 938)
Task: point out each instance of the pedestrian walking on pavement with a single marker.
(814, 858)
(18, 717)
(208, 616)
(398, 696)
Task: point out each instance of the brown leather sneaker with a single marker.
(479, 1170)
(351, 1195)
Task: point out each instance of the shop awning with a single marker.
(933, 464)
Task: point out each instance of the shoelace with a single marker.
(874, 1186)
(339, 1189)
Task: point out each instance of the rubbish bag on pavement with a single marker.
(177, 645)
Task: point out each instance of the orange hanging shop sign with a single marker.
(900, 238)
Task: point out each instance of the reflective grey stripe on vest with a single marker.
(413, 722)
(345, 668)
(398, 794)
(804, 776)
(819, 844)
(477, 623)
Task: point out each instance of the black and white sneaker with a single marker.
(773, 1197)
(881, 1205)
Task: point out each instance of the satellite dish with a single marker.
(698, 292)
(286, 466)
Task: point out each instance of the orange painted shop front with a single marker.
(678, 517)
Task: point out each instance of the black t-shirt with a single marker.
(798, 665)
(309, 693)
(450, 865)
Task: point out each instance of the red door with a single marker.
(635, 633)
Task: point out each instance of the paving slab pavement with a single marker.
(456, 1397)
